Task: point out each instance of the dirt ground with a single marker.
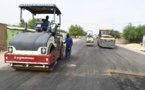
(135, 46)
(1, 56)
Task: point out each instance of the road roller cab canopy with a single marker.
(104, 31)
(41, 8)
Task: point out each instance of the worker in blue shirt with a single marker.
(89, 35)
(45, 23)
(69, 43)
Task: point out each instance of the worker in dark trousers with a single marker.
(69, 43)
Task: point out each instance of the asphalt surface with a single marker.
(89, 68)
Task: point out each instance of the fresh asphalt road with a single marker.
(89, 68)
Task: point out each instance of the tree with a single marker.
(20, 25)
(115, 33)
(76, 30)
(63, 31)
(141, 31)
(134, 33)
(30, 23)
(130, 33)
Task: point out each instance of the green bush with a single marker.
(134, 34)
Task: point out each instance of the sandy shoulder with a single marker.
(135, 46)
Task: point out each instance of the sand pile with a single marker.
(136, 46)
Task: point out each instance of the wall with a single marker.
(3, 37)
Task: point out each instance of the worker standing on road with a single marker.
(69, 43)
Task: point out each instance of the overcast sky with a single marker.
(90, 14)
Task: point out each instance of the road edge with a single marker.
(131, 49)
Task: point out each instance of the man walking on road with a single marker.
(69, 43)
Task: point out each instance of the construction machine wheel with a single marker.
(30, 68)
(51, 67)
(34, 67)
(61, 48)
(51, 48)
